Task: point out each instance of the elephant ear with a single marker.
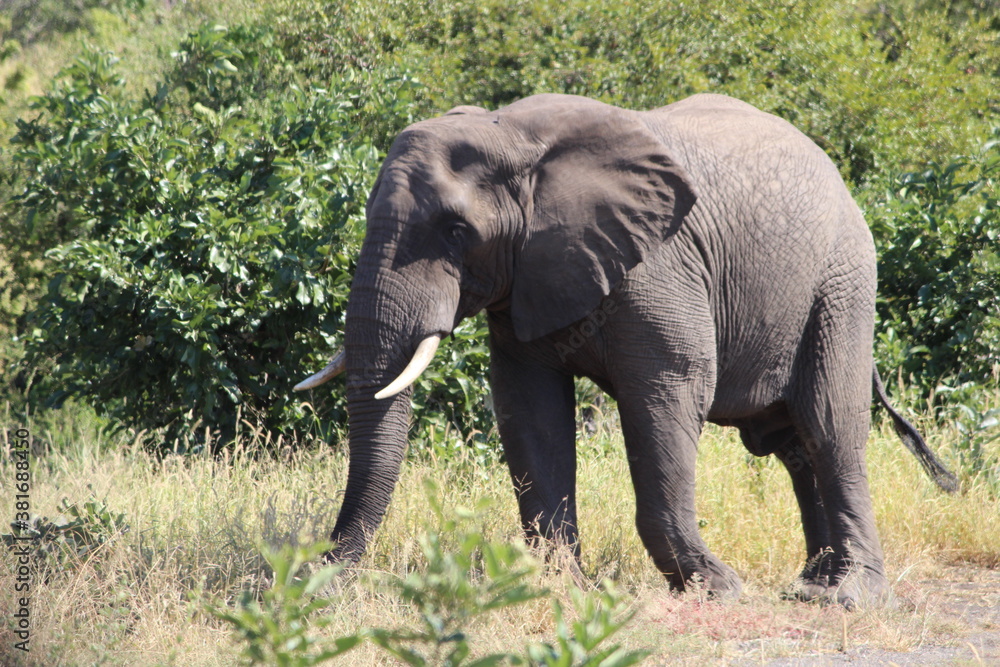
(603, 196)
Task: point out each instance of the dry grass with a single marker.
(196, 523)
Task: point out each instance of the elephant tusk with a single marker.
(418, 364)
(332, 370)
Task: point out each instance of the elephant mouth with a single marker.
(421, 359)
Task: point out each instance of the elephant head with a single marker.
(538, 209)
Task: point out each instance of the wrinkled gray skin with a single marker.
(700, 262)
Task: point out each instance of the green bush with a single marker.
(877, 86)
(36, 20)
(938, 233)
(201, 251)
(183, 255)
(206, 253)
(72, 538)
(281, 627)
(451, 400)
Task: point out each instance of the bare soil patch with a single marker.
(955, 621)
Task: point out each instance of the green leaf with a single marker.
(205, 112)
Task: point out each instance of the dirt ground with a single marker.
(960, 626)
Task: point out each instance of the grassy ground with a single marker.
(194, 527)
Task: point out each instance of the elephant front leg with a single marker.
(661, 438)
(535, 409)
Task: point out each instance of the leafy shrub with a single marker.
(456, 587)
(204, 67)
(451, 400)
(9, 47)
(280, 628)
(858, 80)
(36, 20)
(71, 538)
(938, 236)
(882, 87)
(938, 233)
(202, 249)
(967, 407)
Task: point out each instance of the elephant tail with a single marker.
(914, 441)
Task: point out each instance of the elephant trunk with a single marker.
(375, 353)
(377, 445)
(388, 315)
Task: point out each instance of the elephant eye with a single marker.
(456, 233)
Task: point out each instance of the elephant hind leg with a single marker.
(845, 560)
(830, 406)
(816, 575)
(775, 434)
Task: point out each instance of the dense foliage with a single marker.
(31, 21)
(939, 242)
(199, 241)
(178, 257)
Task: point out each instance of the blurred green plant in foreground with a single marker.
(456, 587)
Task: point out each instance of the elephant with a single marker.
(699, 262)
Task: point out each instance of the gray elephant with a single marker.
(699, 262)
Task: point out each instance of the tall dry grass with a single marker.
(195, 525)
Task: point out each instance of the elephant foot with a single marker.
(718, 580)
(857, 589)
